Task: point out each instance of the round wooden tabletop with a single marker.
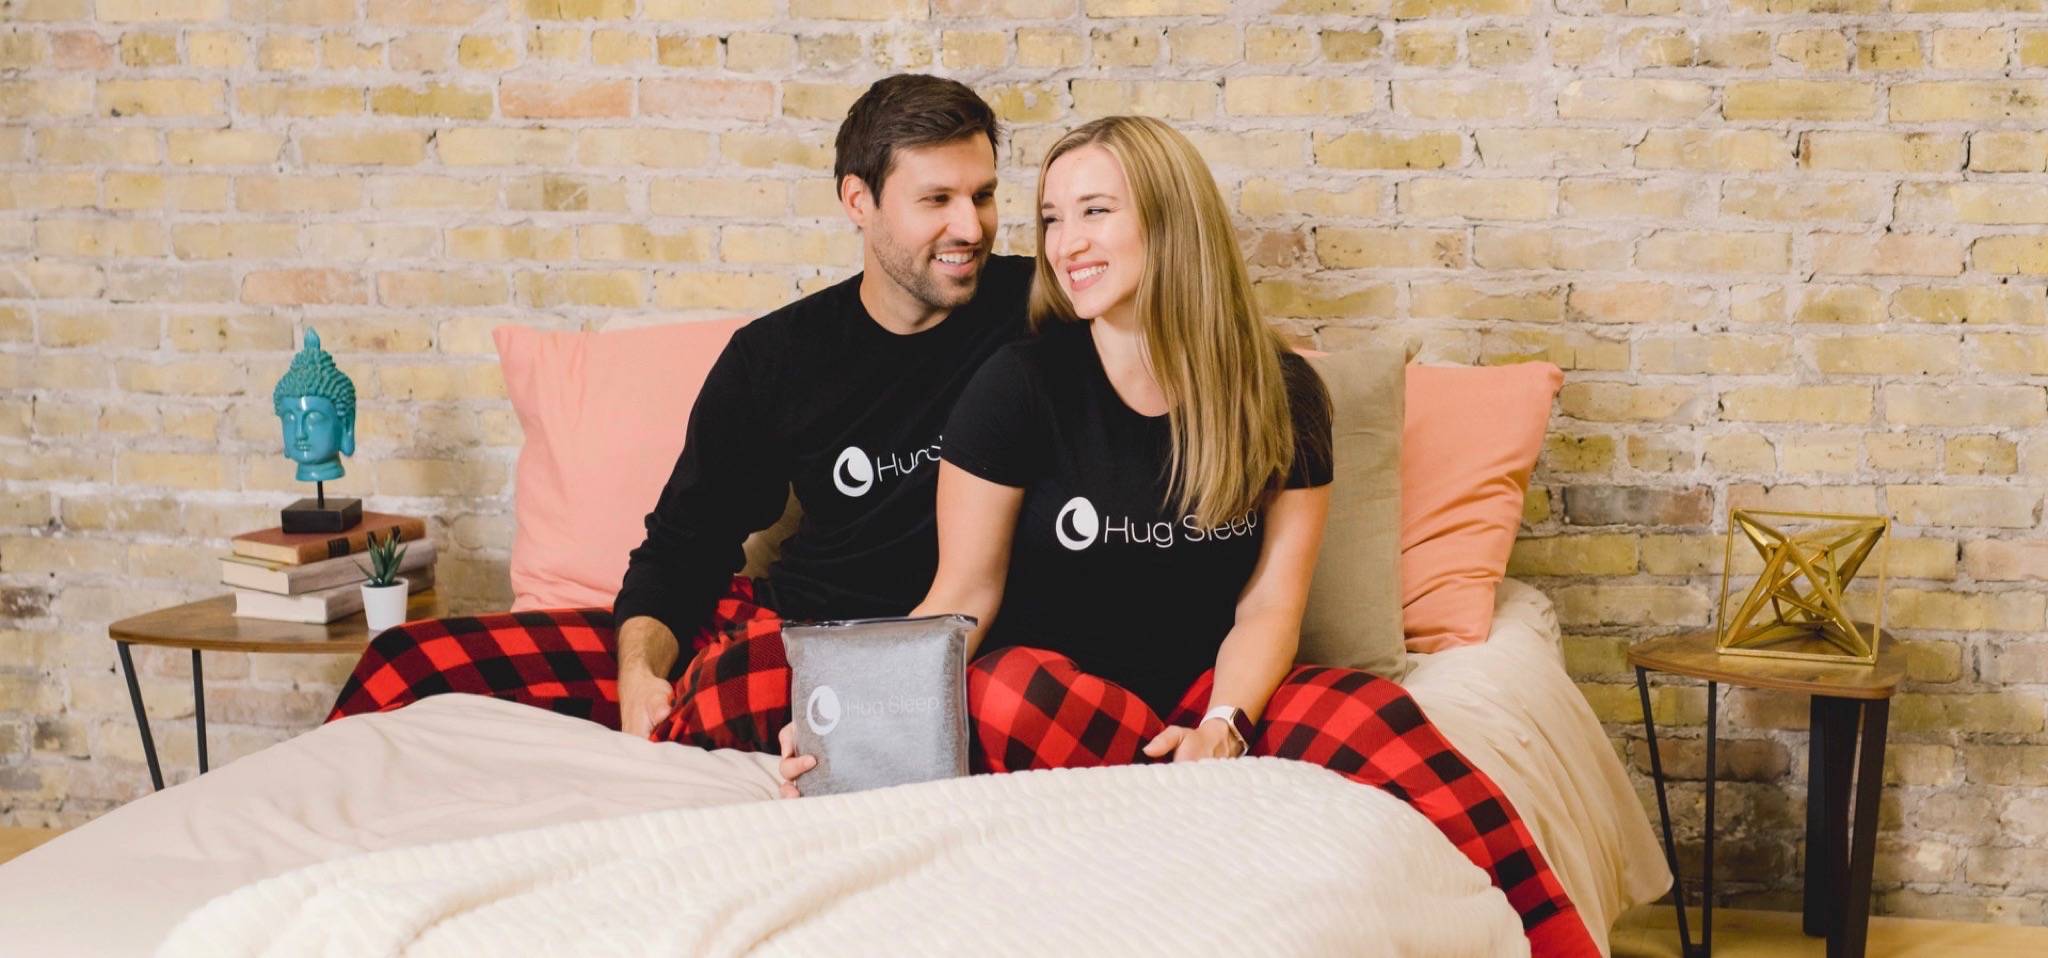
(1693, 654)
(210, 625)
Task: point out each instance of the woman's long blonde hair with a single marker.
(1213, 355)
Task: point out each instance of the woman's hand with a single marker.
(1212, 739)
(793, 764)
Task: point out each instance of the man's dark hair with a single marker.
(906, 110)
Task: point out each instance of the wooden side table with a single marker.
(1838, 865)
(210, 625)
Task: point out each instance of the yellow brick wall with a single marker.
(1790, 252)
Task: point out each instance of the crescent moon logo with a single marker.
(853, 473)
(822, 711)
(1077, 524)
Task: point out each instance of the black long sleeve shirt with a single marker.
(819, 398)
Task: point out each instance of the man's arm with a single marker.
(730, 480)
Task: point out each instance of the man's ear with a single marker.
(856, 200)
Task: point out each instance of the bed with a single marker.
(462, 823)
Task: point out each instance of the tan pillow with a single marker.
(1354, 602)
(764, 547)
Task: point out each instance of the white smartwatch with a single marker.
(1238, 723)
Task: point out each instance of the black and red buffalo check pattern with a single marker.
(562, 660)
(1030, 708)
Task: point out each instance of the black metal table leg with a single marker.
(156, 774)
(1707, 830)
(1686, 947)
(1831, 754)
(1854, 926)
(199, 708)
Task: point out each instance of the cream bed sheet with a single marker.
(455, 767)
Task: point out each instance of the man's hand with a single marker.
(1211, 740)
(793, 764)
(644, 699)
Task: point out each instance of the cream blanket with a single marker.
(1257, 856)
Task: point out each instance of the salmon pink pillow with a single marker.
(604, 416)
(1469, 439)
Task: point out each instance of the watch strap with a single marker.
(1240, 725)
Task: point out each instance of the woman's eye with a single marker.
(1048, 221)
(1097, 209)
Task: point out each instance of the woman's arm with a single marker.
(1259, 651)
(977, 520)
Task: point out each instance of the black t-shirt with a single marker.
(818, 397)
(1100, 569)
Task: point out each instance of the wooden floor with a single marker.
(14, 841)
(1651, 931)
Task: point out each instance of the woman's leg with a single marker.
(1370, 730)
(1029, 708)
(562, 660)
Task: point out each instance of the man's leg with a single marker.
(562, 660)
(557, 659)
(734, 693)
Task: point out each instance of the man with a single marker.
(839, 397)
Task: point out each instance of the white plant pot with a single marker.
(384, 606)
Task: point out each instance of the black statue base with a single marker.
(322, 515)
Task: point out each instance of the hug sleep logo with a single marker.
(854, 474)
(1079, 526)
(822, 711)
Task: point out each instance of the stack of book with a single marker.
(317, 577)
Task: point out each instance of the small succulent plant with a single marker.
(384, 559)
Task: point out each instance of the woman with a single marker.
(1131, 505)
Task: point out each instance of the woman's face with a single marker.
(1092, 235)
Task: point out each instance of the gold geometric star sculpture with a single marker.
(1795, 610)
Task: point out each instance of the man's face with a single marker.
(935, 222)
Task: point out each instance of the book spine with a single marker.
(354, 541)
(287, 579)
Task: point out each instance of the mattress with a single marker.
(459, 767)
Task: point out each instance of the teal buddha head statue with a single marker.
(316, 402)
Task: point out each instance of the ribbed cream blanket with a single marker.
(1253, 857)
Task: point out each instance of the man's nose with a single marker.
(965, 225)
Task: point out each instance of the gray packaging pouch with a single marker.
(879, 702)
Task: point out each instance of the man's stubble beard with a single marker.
(912, 271)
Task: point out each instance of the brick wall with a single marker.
(1791, 252)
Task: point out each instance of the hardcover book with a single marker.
(300, 548)
(319, 607)
(284, 578)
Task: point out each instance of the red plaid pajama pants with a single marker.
(562, 660)
(1029, 708)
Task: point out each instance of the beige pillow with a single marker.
(764, 547)
(1354, 602)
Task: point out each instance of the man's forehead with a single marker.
(957, 164)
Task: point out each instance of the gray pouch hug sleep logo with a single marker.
(879, 702)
